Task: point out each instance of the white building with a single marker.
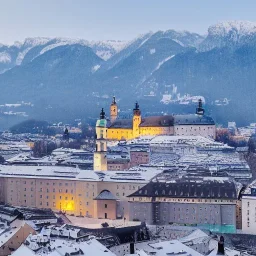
(249, 209)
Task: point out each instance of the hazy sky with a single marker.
(114, 19)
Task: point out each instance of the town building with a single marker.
(12, 237)
(249, 209)
(71, 190)
(188, 200)
(126, 129)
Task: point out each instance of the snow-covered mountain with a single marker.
(229, 34)
(30, 48)
(73, 77)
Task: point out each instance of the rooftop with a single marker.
(71, 173)
(157, 121)
(173, 247)
(105, 195)
(193, 119)
(208, 188)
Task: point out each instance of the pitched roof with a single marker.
(105, 195)
(156, 121)
(193, 119)
(189, 188)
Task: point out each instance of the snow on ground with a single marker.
(152, 51)
(96, 223)
(21, 56)
(242, 28)
(163, 61)
(95, 68)
(5, 57)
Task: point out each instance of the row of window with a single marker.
(52, 184)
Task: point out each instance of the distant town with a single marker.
(154, 185)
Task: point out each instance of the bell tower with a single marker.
(200, 109)
(100, 153)
(113, 110)
(136, 120)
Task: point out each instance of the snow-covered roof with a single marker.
(173, 247)
(60, 247)
(71, 173)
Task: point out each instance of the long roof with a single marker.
(71, 173)
(156, 121)
(190, 188)
(193, 119)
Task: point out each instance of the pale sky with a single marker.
(114, 19)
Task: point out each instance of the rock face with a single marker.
(66, 77)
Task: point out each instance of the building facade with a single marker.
(249, 209)
(68, 189)
(190, 201)
(127, 129)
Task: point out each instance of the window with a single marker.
(66, 191)
(106, 206)
(87, 203)
(54, 204)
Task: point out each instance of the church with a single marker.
(182, 125)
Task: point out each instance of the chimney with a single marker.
(221, 250)
(132, 251)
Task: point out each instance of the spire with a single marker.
(200, 109)
(66, 134)
(113, 101)
(102, 114)
(221, 247)
(137, 107)
(136, 110)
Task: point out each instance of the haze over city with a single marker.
(127, 128)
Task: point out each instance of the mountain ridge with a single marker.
(61, 76)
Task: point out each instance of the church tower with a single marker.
(136, 120)
(100, 154)
(113, 110)
(200, 109)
